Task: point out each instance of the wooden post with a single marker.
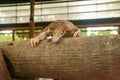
(119, 30)
(31, 24)
(13, 35)
(4, 74)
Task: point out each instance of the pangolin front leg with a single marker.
(41, 36)
(77, 33)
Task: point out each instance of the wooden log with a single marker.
(93, 58)
(4, 74)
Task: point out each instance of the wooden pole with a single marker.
(119, 30)
(93, 58)
(13, 35)
(31, 24)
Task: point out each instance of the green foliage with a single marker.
(16, 37)
(83, 30)
(104, 33)
(25, 36)
(92, 34)
(100, 33)
(5, 38)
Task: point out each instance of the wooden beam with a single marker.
(80, 26)
(93, 58)
(99, 25)
(22, 28)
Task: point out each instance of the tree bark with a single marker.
(4, 74)
(93, 58)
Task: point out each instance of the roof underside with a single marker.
(26, 1)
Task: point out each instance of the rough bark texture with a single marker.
(87, 58)
(4, 74)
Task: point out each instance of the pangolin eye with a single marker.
(62, 32)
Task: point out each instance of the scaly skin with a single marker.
(57, 29)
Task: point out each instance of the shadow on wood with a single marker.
(4, 74)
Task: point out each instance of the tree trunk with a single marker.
(93, 58)
(4, 74)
